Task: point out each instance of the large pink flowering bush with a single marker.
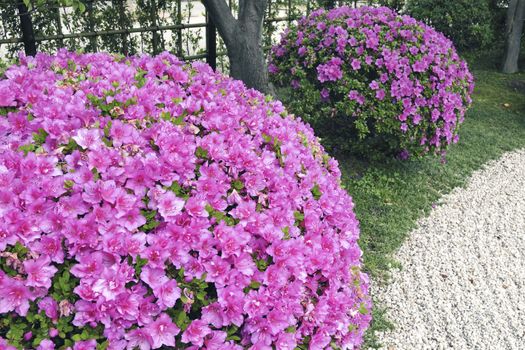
(146, 204)
(386, 81)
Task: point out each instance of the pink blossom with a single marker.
(85, 345)
(331, 71)
(14, 296)
(50, 307)
(169, 205)
(88, 138)
(46, 344)
(356, 64)
(7, 96)
(196, 332)
(39, 272)
(140, 338)
(163, 331)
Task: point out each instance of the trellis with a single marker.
(30, 38)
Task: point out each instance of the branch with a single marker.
(222, 18)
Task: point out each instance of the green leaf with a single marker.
(96, 174)
(299, 217)
(71, 65)
(316, 192)
(201, 153)
(81, 7)
(139, 77)
(28, 148)
(362, 309)
(238, 185)
(103, 346)
(290, 329)
(182, 319)
(68, 184)
(286, 231)
(267, 138)
(107, 129)
(70, 147)
(139, 264)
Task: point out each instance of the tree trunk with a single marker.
(247, 61)
(243, 39)
(28, 33)
(513, 33)
(327, 4)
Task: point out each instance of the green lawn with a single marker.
(390, 196)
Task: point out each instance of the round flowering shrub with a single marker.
(146, 204)
(379, 79)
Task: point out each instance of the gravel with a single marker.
(462, 285)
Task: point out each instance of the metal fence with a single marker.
(152, 26)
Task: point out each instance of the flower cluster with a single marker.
(147, 203)
(384, 78)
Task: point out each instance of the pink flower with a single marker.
(196, 332)
(163, 331)
(168, 294)
(124, 202)
(108, 191)
(330, 71)
(7, 95)
(356, 64)
(140, 338)
(215, 340)
(121, 133)
(195, 206)
(88, 138)
(110, 283)
(319, 341)
(46, 344)
(169, 205)
(39, 272)
(50, 307)
(14, 296)
(154, 277)
(85, 345)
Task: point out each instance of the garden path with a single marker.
(462, 285)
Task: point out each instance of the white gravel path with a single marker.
(462, 285)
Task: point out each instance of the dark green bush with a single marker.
(468, 23)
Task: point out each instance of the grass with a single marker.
(390, 196)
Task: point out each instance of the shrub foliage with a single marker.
(375, 78)
(468, 23)
(145, 203)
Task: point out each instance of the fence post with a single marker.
(59, 26)
(179, 31)
(91, 25)
(211, 42)
(153, 17)
(28, 33)
(124, 36)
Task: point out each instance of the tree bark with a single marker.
(28, 33)
(243, 39)
(514, 29)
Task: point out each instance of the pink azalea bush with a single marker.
(146, 203)
(383, 79)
